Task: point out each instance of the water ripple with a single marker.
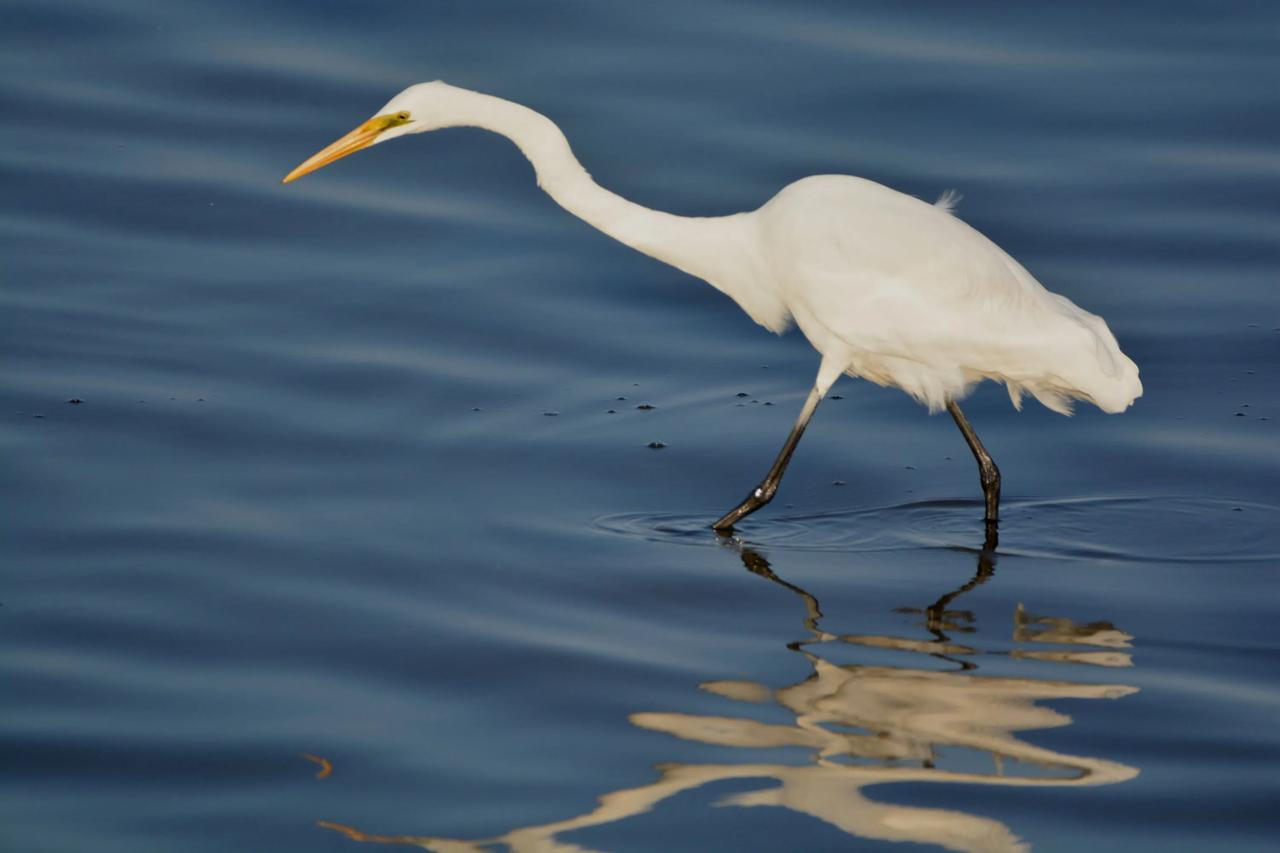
(1145, 529)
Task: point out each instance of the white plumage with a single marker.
(905, 294)
(885, 286)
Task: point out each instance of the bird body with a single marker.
(907, 295)
(885, 286)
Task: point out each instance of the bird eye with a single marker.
(404, 116)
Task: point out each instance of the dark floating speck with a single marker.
(743, 394)
(740, 405)
(837, 482)
(656, 445)
(475, 408)
(835, 397)
(1244, 405)
(551, 414)
(767, 403)
(199, 399)
(948, 458)
(621, 398)
(611, 412)
(909, 467)
(644, 407)
(75, 401)
(38, 417)
(1237, 509)
(1239, 414)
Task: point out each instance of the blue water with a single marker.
(342, 545)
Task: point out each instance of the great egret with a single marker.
(885, 286)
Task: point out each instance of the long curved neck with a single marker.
(699, 246)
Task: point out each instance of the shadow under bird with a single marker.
(885, 286)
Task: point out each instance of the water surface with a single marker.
(355, 535)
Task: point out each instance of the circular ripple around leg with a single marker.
(1122, 529)
(925, 524)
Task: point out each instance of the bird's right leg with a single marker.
(987, 470)
(763, 493)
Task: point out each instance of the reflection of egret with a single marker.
(862, 726)
(885, 286)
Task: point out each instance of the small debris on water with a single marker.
(644, 407)
(837, 482)
(1237, 509)
(835, 397)
(767, 403)
(1239, 414)
(656, 445)
(909, 467)
(743, 394)
(75, 401)
(326, 767)
(551, 414)
(622, 398)
(475, 408)
(611, 412)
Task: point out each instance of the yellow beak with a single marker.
(362, 137)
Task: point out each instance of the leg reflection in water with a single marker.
(863, 725)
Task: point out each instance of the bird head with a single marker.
(419, 108)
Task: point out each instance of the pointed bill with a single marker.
(362, 137)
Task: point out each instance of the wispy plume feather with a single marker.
(948, 201)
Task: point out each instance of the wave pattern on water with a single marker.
(1164, 529)
(310, 501)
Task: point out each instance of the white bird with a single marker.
(885, 286)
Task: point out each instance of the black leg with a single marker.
(937, 612)
(763, 493)
(987, 469)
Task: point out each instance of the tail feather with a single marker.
(1058, 402)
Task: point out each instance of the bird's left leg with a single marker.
(763, 493)
(987, 469)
